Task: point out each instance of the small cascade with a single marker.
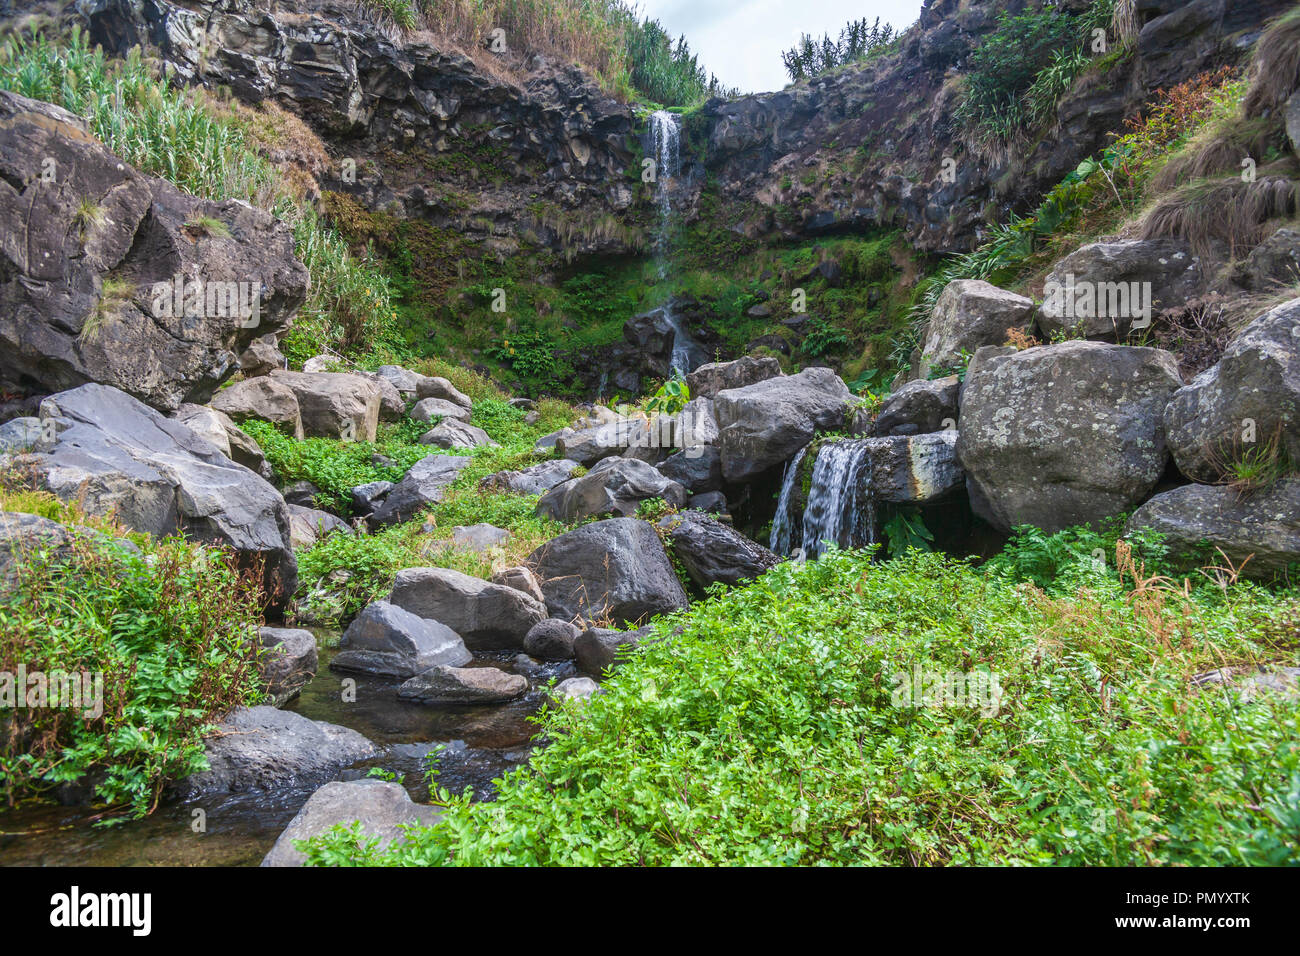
(780, 540)
(665, 131)
(840, 507)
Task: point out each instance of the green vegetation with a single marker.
(172, 629)
(857, 41)
(770, 730)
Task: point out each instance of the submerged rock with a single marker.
(463, 685)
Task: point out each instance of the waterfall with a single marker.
(665, 131)
(840, 507)
(783, 522)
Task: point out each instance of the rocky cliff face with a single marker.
(865, 146)
(530, 152)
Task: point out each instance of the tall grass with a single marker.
(187, 139)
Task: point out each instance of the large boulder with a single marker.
(533, 480)
(288, 661)
(1249, 400)
(1200, 520)
(1106, 289)
(104, 278)
(427, 409)
(615, 486)
(424, 484)
(267, 749)
(713, 552)
(1063, 434)
(450, 433)
(307, 526)
(382, 808)
(915, 469)
(334, 404)
(261, 398)
(597, 649)
(488, 617)
(589, 445)
(763, 425)
(707, 380)
(920, 407)
(697, 469)
(389, 640)
(262, 357)
(435, 386)
(463, 685)
(969, 315)
(615, 569)
(404, 380)
(114, 455)
(231, 440)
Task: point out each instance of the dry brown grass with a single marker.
(1275, 73)
(1229, 211)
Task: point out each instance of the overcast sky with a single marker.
(741, 40)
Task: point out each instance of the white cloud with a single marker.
(741, 40)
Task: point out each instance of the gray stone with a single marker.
(707, 380)
(1064, 434)
(334, 404)
(696, 469)
(20, 434)
(424, 484)
(713, 552)
(307, 526)
(533, 480)
(575, 688)
(365, 498)
(521, 579)
(450, 433)
(598, 649)
(404, 380)
(264, 399)
(924, 405)
(267, 749)
(382, 808)
(488, 617)
(463, 685)
(434, 386)
(763, 425)
(1253, 391)
(288, 662)
(389, 640)
(615, 569)
(551, 640)
(262, 357)
(970, 314)
(915, 469)
(427, 409)
(479, 537)
(116, 456)
(1263, 526)
(614, 486)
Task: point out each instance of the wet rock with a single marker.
(1097, 296)
(970, 314)
(615, 569)
(424, 484)
(534, 480)
(488, 617)
(92, 299)
(916, 469)
(551, 640)
(267, 749)
(114, 455)
(391, 641)
(1249, 399)
(288, 662)
(707, 380)
(463, 685)
(920, 407)
(382, 808)
(334, 404)
(262, 398)
(614, 486)
(1198, 519)
(763, 425)
(450, 433)
(1064, 434)
(713, 552)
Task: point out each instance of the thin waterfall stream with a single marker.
(665, 132)
(839, 509)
